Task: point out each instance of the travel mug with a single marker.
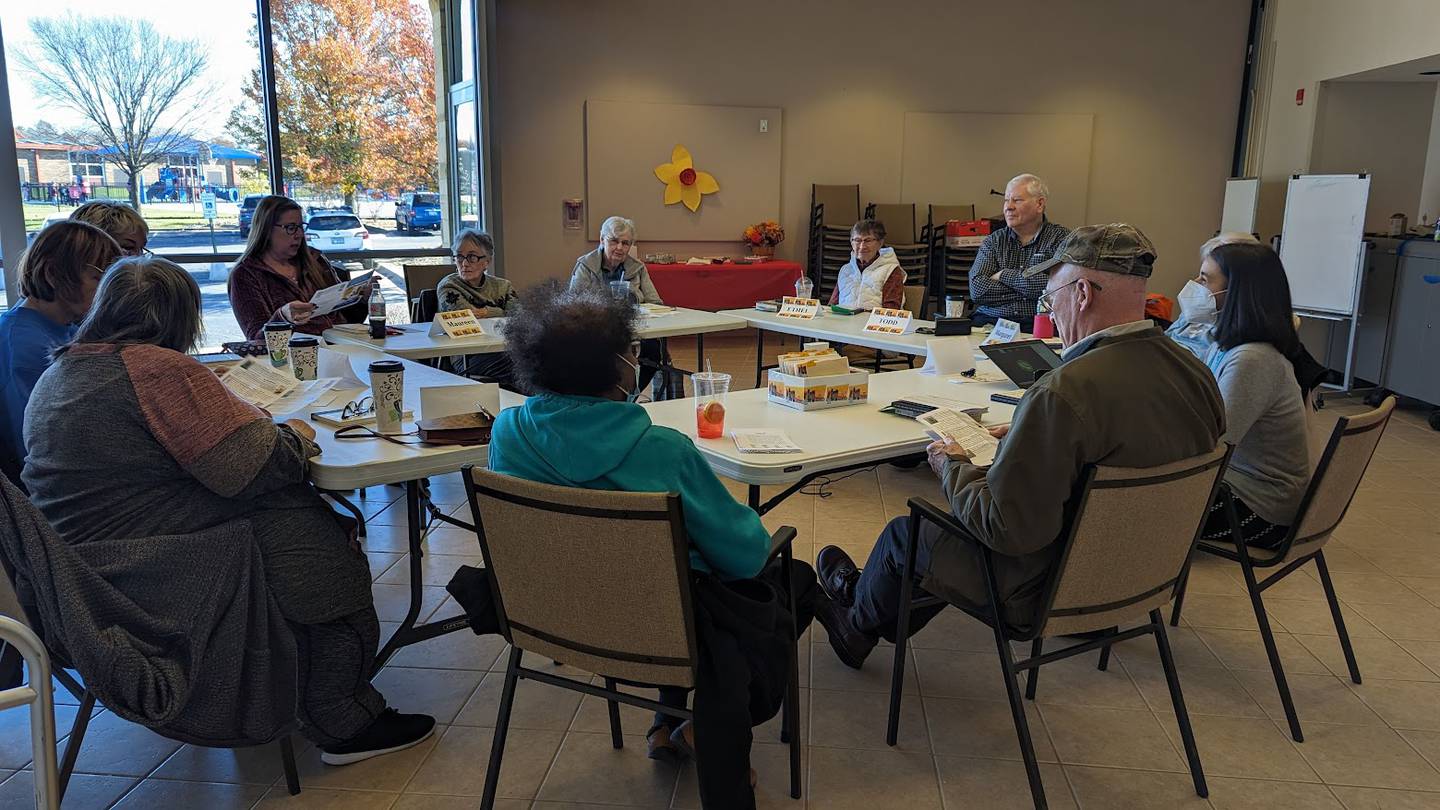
(305, 356)
(277, 342)
(387, 386)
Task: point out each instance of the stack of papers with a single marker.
(759, 440)
(816, 362)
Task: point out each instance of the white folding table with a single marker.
(356, 463)
(833, 439)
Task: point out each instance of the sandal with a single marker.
(660, 747)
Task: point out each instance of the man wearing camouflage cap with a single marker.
(1125, 395)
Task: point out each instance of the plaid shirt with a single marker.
(1012, 295)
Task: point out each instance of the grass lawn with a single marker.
(166, 217)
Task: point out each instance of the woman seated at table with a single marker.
(574, 351)
(58, 276)
(474, 288)
(130, 437)
(122, 222)
(278, 274)
(612, 262)
(1254, 337)
(872, 279)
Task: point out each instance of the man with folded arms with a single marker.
(1000, 285)
(1125, 395)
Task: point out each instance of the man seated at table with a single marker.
(1125, 395)
(872, 278)
(611, 262)
(999, 285)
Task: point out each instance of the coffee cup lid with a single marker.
(304, 340)
(278, 326)
(386, 366)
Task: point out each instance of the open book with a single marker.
(943, 424)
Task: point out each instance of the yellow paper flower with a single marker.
(682, 182)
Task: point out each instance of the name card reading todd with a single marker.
(803, 309)
(457, 324)
(888, 322)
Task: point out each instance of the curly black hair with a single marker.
(565, 341)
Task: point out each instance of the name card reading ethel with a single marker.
(802, 309)
(888, 321)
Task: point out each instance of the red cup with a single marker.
(1044, 327)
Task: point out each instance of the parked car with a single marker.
(247, 213)
(417, 210)
(328, 231)
(50, 219)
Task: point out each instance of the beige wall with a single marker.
(1161, 79)
(1382, 128)
(1313, 41)
(1430, 188)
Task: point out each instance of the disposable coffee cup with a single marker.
(954, 306)
(305, 357)
(387, 386)
(277, 342)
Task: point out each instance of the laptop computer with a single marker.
(1024, 362)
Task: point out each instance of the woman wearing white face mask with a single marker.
(1201, 298)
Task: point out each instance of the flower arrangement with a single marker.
(768, 233)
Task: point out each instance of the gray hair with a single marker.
(1226, 238)
(617, 226)
(1033, 185)
(145, 299)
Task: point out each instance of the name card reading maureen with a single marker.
(802, 309)
(888, 321)
(457, 324)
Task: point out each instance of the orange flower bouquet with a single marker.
(762, 237)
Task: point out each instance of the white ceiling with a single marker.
(1402, 72)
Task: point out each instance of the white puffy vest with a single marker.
(864, 290)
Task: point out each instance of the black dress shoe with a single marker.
(837, 574)
(851, 646)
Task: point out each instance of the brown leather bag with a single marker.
(461, 428)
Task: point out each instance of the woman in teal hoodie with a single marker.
(575, 353)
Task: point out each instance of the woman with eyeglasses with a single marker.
(610, 268)
(473, 287)
(58, 277)
(133, 438)
(873, 278)
(278, 274)
(123, 223)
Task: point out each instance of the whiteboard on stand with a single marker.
(1242, 194)
(1321, 241)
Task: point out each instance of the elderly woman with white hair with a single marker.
(612, 262)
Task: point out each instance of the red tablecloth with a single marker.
(723, 286)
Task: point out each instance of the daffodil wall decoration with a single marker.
(683, 183)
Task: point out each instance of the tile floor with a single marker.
(1106, 740)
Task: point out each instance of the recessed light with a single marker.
(1430, 73)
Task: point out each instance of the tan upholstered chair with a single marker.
(833, 209)
(1119, 565)
(563, 564)
(1332, 487)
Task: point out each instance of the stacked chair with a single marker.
(949, 268)
(833, 210)
(901, 234)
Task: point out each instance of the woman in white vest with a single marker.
(872, 278)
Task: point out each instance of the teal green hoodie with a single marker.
(597, 443)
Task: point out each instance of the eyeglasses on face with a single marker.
(292, 228)
(470, 258)
(863, 240)
(1046, 302)
(615, 240)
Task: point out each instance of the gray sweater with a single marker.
(1265, 420)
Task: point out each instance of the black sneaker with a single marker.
(390, 732)
(851, 646)
(837, 574)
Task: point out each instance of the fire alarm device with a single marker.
(572, 213)
(1299, 97)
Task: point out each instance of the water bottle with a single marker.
(377, 312)
(804, 287)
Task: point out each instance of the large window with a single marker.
(350, 90)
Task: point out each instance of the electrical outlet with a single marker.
(764, 124)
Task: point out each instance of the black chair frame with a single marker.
(781, 544)
(1242, 554)
(993, 615)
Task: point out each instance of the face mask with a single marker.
(1197, 303)
(631, 394)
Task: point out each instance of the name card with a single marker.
(802, 309)
(1003, 332)
(457, 324)
(888, 322)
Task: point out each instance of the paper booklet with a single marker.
(340, 295)
(943, 424)
(758, 440)
(274, 389)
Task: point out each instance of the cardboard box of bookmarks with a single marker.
(818, 377)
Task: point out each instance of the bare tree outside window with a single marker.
(139, 89)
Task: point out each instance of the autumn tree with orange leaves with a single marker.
(355, 88)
